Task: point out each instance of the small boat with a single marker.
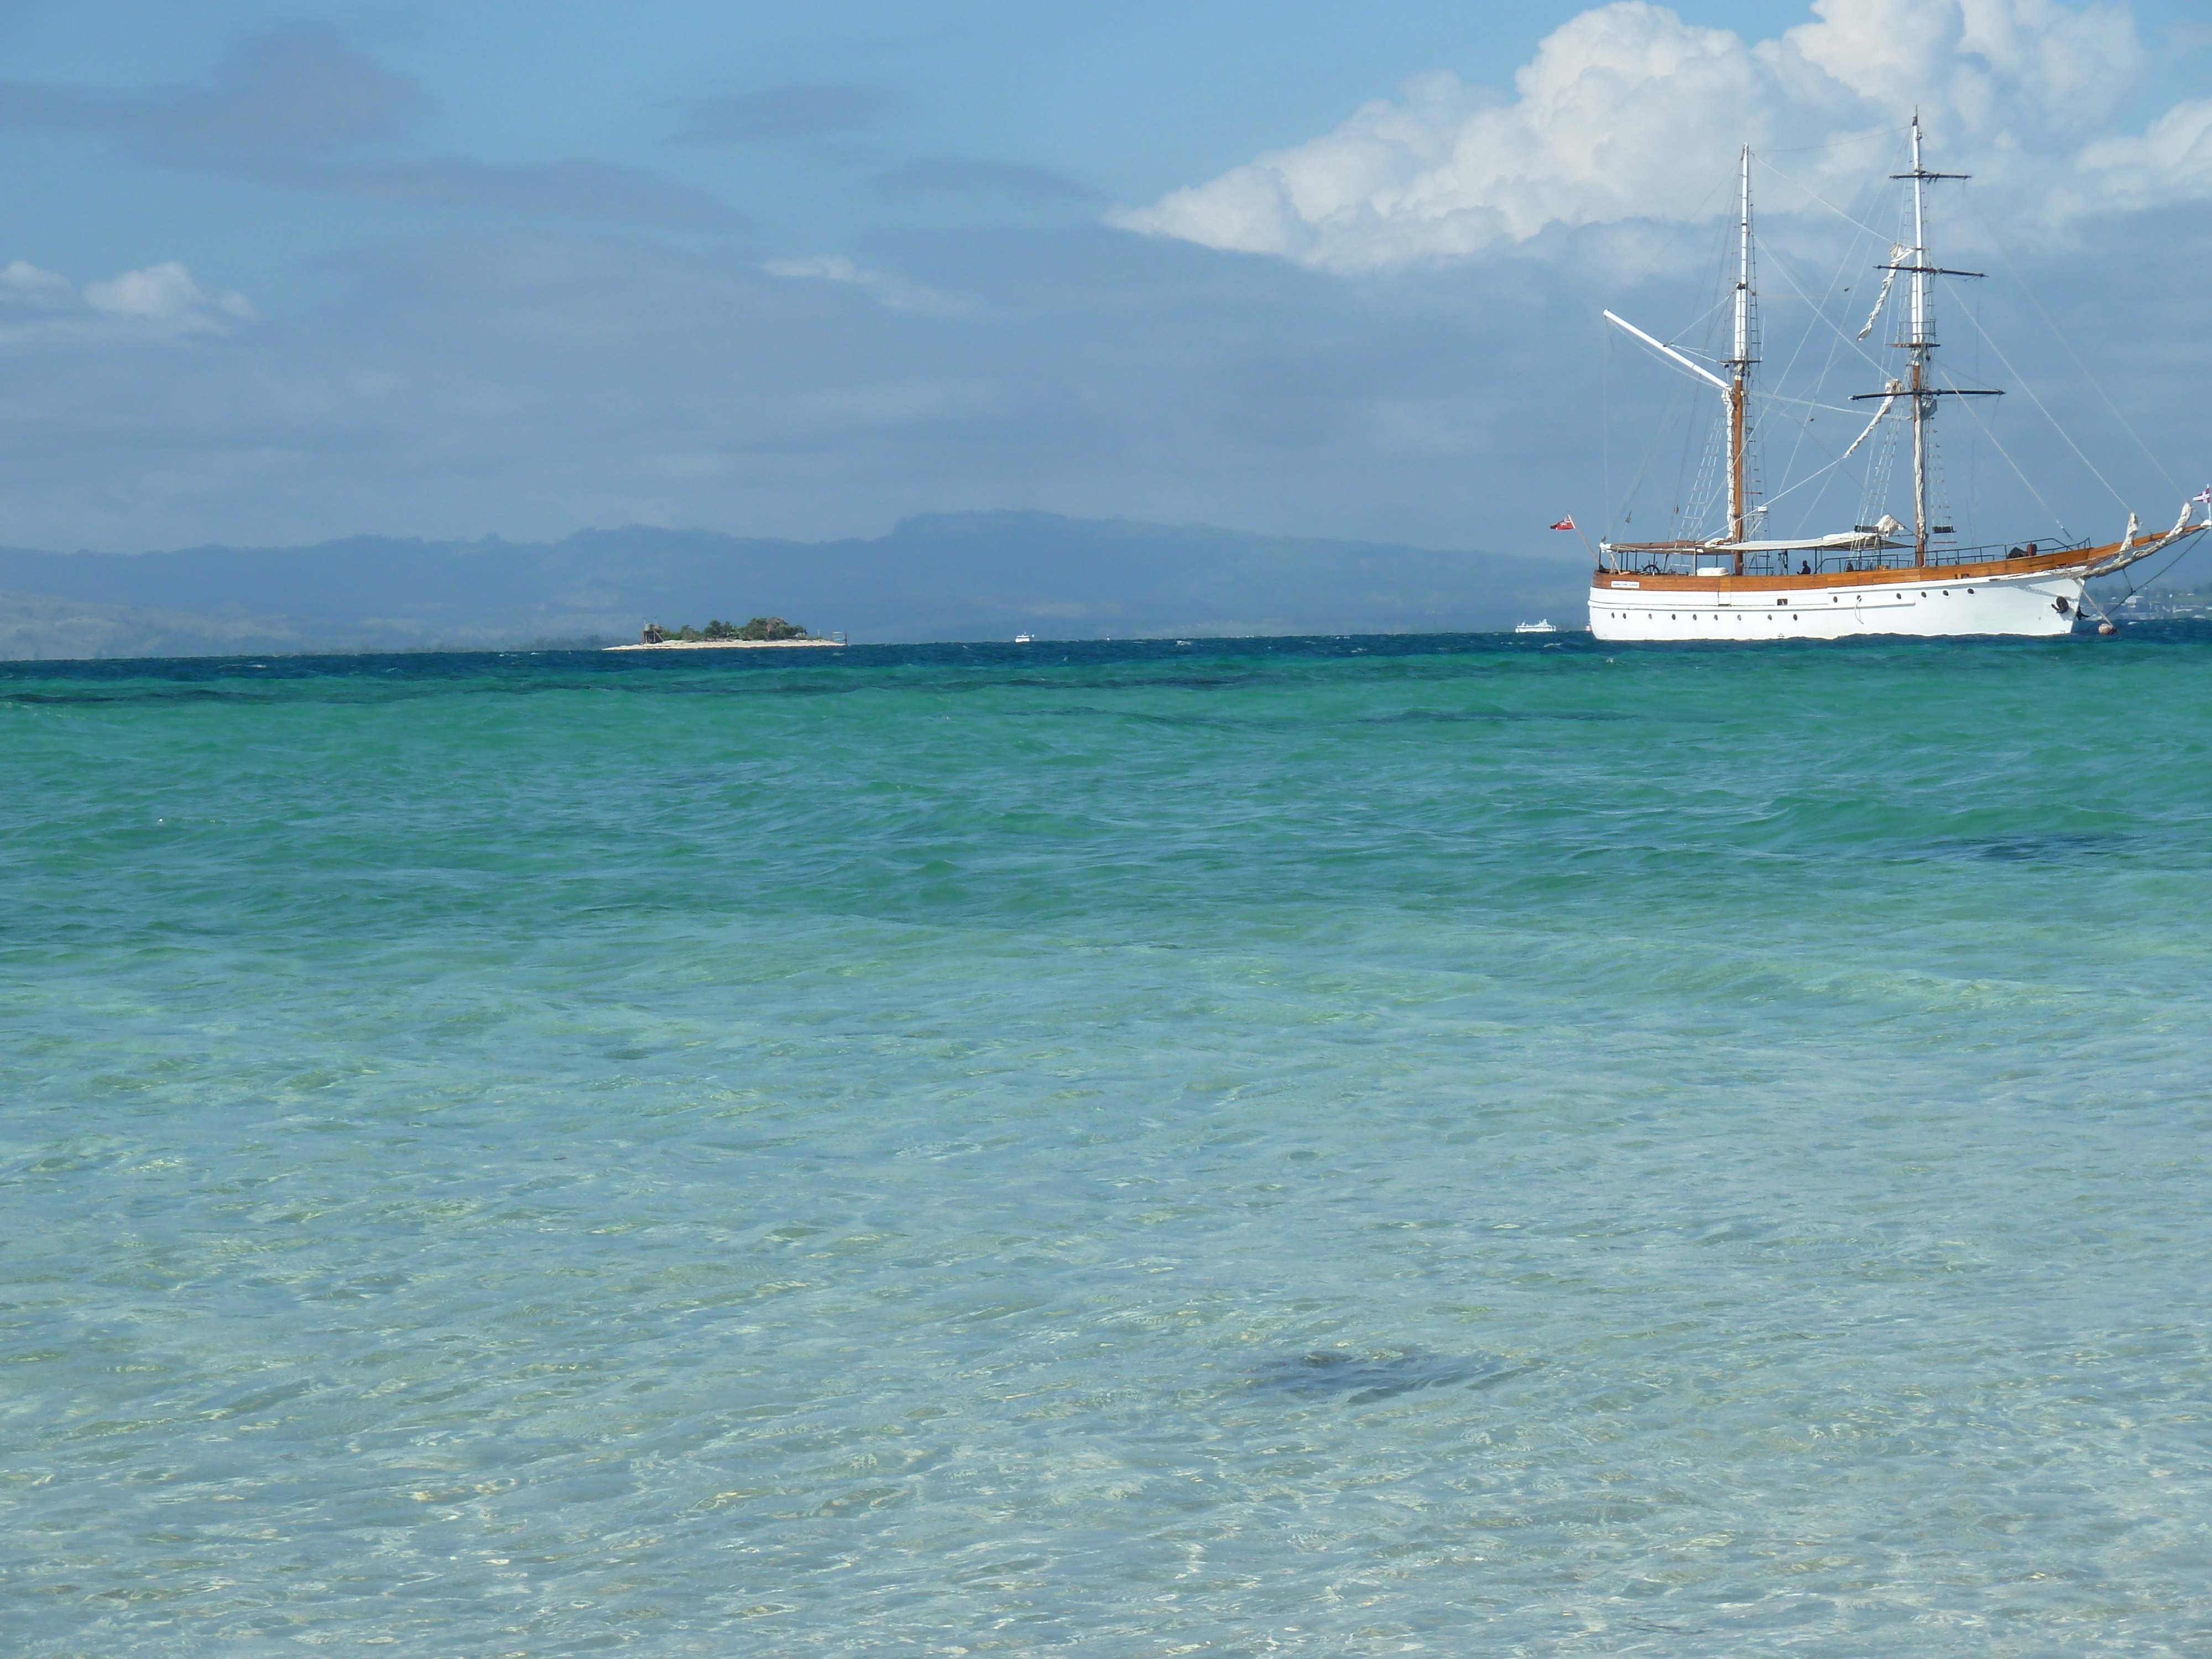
(1544, 625)
(1023, 639)
(1887, 574)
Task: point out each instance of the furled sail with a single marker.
(1889, 275)
(1896, 389)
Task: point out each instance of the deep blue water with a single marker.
(1453, 1145)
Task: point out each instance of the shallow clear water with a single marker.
(1306, 1147)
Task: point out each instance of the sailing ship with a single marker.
(1879, 577)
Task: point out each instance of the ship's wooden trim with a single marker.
(2070, 560)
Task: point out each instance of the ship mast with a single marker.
(1921, 340)
(1740, 365)
(1921, 344)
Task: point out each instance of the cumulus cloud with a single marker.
(1627, 112)
(2173, 161)
(160, 301)
(159, 294)
(836, 268)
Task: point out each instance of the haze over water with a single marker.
(1447, 1146)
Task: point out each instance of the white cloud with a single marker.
(158, 294)
(831, 267)
(2171, 161)
(836, 268)
(24, 284)
(1627, 112)
(165, 295)
(160, 301)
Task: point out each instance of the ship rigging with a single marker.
(1879, 576)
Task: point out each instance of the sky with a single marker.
(275, 274)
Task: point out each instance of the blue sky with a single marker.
(291, 272)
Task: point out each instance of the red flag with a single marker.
(1567, 523)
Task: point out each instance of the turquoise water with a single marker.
(1458, 1145)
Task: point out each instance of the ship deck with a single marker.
(1867, 574)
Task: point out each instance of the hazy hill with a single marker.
(943, 576)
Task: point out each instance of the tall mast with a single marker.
(1919, 341)
(1740, 362)
(1922, 342)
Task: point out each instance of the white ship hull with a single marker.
(1627, 607)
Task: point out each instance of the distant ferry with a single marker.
(1544, 626)
(1881, 576)
(1023, 639)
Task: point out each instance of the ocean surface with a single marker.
(1464, 1145)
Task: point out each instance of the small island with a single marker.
(718, 634)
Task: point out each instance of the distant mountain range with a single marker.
(943, 576)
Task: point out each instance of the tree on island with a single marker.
(760, 627)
